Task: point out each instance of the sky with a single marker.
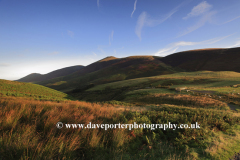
(39, 36)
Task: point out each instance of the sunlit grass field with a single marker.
(29, 113)
(29, 132)
(200, 79)
(20, 89)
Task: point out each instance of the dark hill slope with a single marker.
(93, 67)
(110, 70)
(35, 77)
(206, 59)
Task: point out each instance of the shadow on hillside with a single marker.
(69, 97)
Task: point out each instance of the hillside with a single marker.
(29, 90)
(200, 122)
(105, 62)
(206, 59)
(36, 77)
(169, 124)
(111, 69)
(220, 82)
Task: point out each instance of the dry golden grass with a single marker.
(28, 129)
(180, 99)
(30, 126)
(108, 59)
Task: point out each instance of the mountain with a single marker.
(33, 77)
(111, 69)
(213, 59)
(105, 62)
(36, 77)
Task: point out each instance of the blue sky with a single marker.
(39, 36)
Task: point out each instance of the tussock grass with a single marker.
(28, 131)
(28, 128)
(180, 99)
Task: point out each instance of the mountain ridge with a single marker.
(220, 59)
(111, 69)
(36, 77)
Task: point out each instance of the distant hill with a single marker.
(111, 69)
(105, 62)
(218, 59)
(36, 77)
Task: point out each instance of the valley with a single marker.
(29, 113)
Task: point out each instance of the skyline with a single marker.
(42, 36)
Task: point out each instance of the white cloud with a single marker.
(70, 33)
(231, 20)
(94, 54)
(111, 37)
(237, 44)
(134, 7)
(166, 51)
(200, 9)
(201, 22)
(98, 4)
(172, 48)
(140, 23)
(145, 20)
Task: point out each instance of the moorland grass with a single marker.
(21, 89)
(28, 126)
(28, 132)
(179, 99)
(200, 79)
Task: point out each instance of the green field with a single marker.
(21, 89)
(200, 79)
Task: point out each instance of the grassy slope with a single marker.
(111, 70)
(158, 90)
(134, 89)
(28, 126)
(21, 89)
(28, 130)
(201, 78)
